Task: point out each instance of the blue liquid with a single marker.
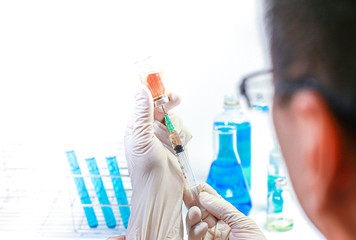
(101, 193)
(81, 189)
(271, 186)
(277, 199)
(243, 145)
(262, 108)
(227, 178)
(119, 189)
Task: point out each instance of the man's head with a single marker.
(313, 49)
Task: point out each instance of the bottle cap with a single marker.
(161, 101)
(231, 100)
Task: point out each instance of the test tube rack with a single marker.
(80, 222)
(38, 195)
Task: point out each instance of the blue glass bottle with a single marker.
(225, 174)
(233, 115)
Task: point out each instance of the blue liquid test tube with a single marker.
(81, 188)
(101, 192)
(119, 189)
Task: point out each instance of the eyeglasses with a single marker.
(259, 90)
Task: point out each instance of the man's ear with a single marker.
(321, 146)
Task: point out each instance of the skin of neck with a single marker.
(337, 213)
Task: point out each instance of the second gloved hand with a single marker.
(229, 223)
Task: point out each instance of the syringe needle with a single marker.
(163, 110)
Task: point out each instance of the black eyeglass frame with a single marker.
(243, 91)
(340, 105)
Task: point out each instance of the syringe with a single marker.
(191, 183)
(151, 78)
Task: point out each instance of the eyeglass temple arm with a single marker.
(243, 91)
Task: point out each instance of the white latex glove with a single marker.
(230, 223)
(156, 178)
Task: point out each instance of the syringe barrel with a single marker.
(186, 169)
(191, 184)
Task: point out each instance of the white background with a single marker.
(67, 71)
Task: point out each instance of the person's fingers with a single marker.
(210, 220)
(191, 196)
(190, 199)
(143, 112)
(193, 216)
(178, 124)
(221, 209)
(143, 109)
(242, 227)
(162, 133)
(204, 187)
(139, 137)
(174, 100)
(198, 231)
(141, 122)
(222, 231)
(117, 238)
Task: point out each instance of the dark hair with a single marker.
(317, 39)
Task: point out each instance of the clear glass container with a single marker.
(233, 115)
(275, 168)
(150, 76)
(279, 208)
(226, 175)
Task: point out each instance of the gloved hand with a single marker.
(116, 238)
(229, 222)
(156, 178)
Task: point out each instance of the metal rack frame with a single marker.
(42, 200)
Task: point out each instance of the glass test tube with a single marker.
(81, 188)
(119, 189)
(101, 192)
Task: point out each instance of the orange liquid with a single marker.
(155, 85)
